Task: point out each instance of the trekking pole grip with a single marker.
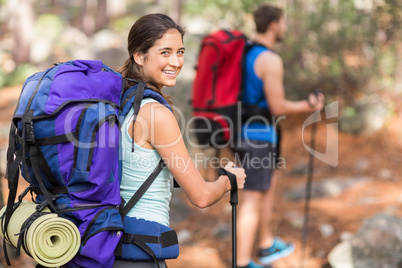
(316, 93)
(234, 200)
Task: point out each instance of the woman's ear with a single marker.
(138, 58)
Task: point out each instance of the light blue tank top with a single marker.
(136, 167)
(254, 94)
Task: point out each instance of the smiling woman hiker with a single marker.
(155, 47)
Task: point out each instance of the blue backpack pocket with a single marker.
(100, 234)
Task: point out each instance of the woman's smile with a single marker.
(171, 73)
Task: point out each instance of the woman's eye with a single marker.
(181, 52)
(165, 53)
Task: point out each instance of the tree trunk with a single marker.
(21, 26)
(116, 8)
(102, 19)
(175, 10)
(88, 18)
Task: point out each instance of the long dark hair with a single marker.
(143, 35)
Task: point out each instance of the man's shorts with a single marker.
(258, 158)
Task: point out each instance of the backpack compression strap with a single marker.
(12, 175)
(28, 140)
(13, 165)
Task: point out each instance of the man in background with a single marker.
(264, 91)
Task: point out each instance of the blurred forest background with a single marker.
(350, 49)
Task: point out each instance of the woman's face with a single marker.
(163, 62)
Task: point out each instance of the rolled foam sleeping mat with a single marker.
(50, 240)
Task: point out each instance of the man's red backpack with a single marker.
(217, 88)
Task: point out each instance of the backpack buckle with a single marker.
(41, 206)
(24, 193)
(128, 238)
(29, 133)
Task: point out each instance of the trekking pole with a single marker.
(234, 200)
(308, 187)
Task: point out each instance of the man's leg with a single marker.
(248, 219)
(270, 248)
(267, 204)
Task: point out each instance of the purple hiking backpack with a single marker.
(64, 138)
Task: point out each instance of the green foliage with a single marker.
(18, 76)
(123, 24)
(49, 26)
(344, 48)
(3, 78)
(232, 12)
(336, 46)
(22, 73)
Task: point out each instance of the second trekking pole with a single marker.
(309, 185)
(234, 200)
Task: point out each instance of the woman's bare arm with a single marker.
(163, 133)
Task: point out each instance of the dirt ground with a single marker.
(376, 156)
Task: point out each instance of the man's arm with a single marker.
(269, 68)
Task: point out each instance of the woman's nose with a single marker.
(174, 61)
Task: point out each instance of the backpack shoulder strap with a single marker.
(143, 188)
(132, 97)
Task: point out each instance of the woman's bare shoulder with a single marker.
(158, 113)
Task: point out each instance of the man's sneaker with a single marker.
(254, 265)
(278, 250)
